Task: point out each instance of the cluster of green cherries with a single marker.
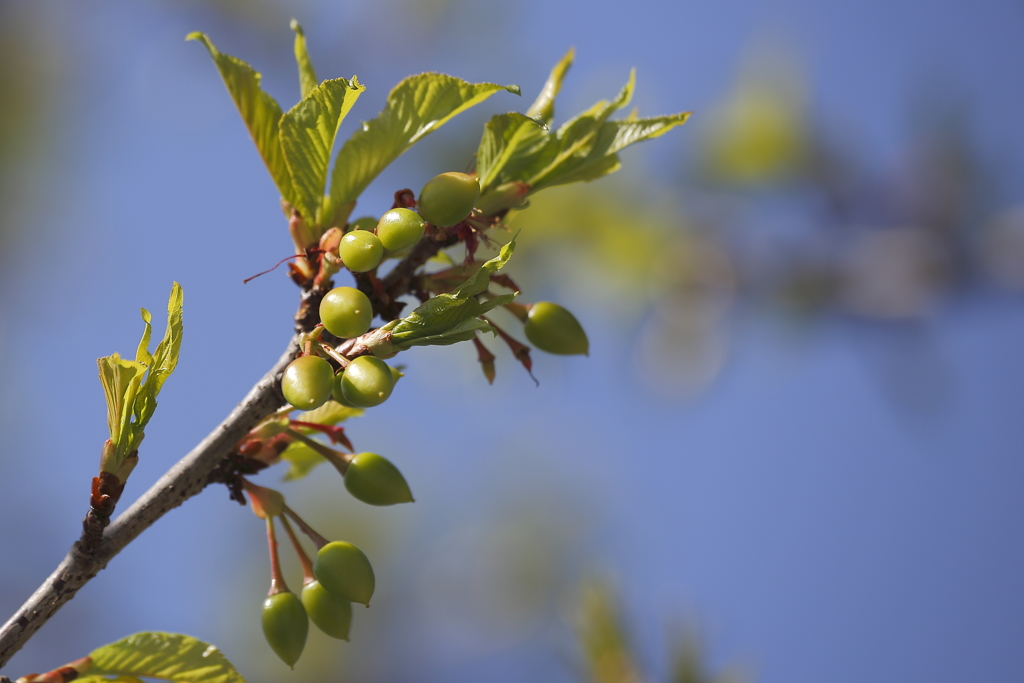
(341, 574)
(446, 200)
(365, 381)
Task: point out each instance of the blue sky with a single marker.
(812, 527)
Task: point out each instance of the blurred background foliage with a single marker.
(772, 204)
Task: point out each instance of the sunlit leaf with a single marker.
(449, 318)
(121, 379)
(507, 138)
(162, 362)
(167, 656)
(330, 413)
(131, 401)
(307, 75)
(307, 137)
(543, 107)
(415, 108)
(301, 460)
(259, 111)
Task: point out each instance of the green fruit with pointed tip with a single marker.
(343, 570)
(399, 229)
(447, 199)
(285, 626)
(373, 479)
(346, 312)
(328, 612)
(364, 223)
(360, 251)
(366, 382)
(552, 328)
(307, 382)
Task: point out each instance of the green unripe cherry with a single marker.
(360, 251)
(343, 570)
(366, 382)
(346, 312)
(552, 328)
(307, 382)
(399, 229)
(285, 626)
(331, 614)
(448, 198)
(364, 223)
(373, 479)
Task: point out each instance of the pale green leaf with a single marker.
(167, 656)
(461, 331)
(301, 460)
(142, 354)
(259, 111)
(104, 679)
(508, 138)
(162, 363)
(121, 379)
(330, 413)
(446, 318)
(577, 137)
(307, 75)
(543, 107)
(612, 137)
(416, 107)
(307, 138)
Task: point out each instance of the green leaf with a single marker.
(330, 413)
(449, 318)
(162, 362)
(543, 107)
(259, 111)
(167, 656)
(121, 379)
(131, 401)
(301, 460)
(612, 137)
(307, 75)
(307, 138)
(515, 150)
(508, 139)
(104, 679)
(415, 108)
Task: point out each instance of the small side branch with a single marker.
(185, 479)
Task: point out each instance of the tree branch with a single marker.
(184, 480)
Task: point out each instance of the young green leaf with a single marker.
(543, 108)
(307, 137)
(103, 679)
(301, 460)
(307, 75)
(450, 318)
(259, 111)
(131, 401)
(509, 140)
(415, 108)
(517, 157)
(167, 656)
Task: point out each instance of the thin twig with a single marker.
(184, 480)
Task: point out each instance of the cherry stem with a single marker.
(339, 460)
(520, 350)
(335, 433)
(307, 566)
(277, 584)
(318, 540)
(340, 359)
(286, 258)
